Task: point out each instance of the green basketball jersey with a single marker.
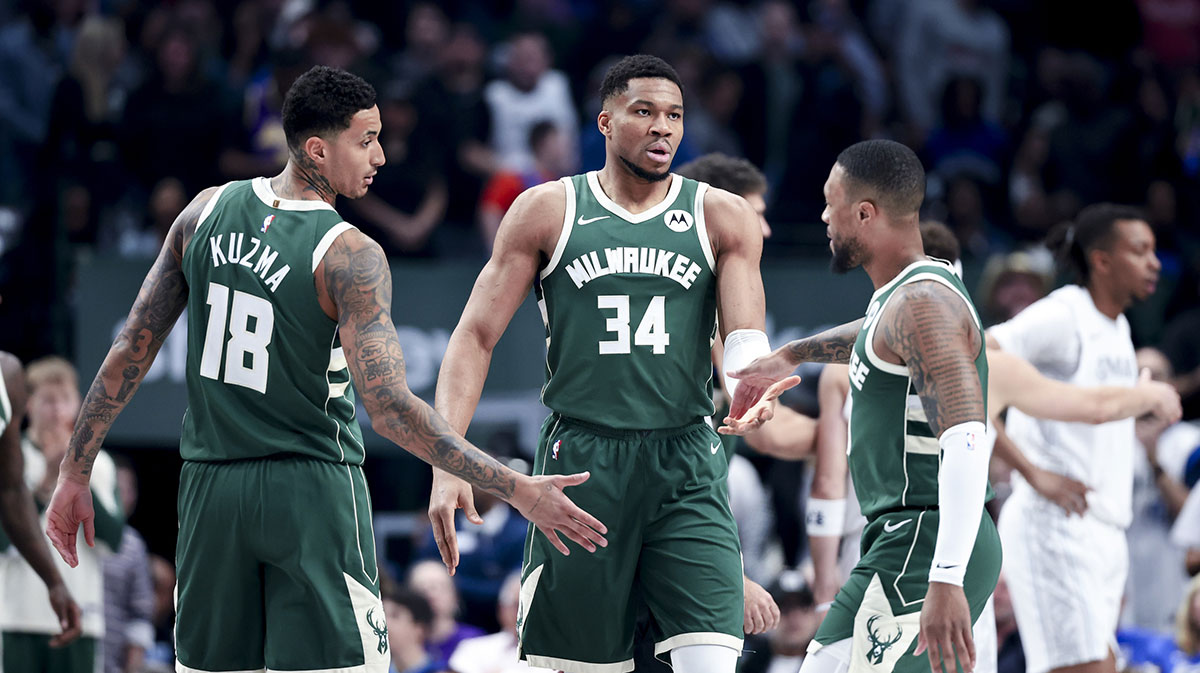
(629, 302)
(265, 369)
(894, 455)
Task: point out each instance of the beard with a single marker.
(644, 174)
(846, 256)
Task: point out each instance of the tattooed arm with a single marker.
(928, 328)
(354, 282)
(832, 346)
(157, 307)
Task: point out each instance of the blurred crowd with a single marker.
(114, 113)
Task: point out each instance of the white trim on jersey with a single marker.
(6, 404)
(902, 370)
(702, 228)
(611, 206)
(327, 241)
(212, 203)
(568, 219)
(557, 664)
(262, 189)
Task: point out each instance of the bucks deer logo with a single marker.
(879, 645)
(380, 630)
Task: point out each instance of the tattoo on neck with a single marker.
(314, 182)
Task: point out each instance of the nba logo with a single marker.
(970, 441)
(267, 223)
(554, 449)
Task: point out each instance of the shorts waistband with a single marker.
(622, 433)
(892, 511)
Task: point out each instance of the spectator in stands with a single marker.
(551, 160)
(1011, 282)
(81, 140)
(429, 579)
(452, 110)
(409, 621)
(1158, 578)
(173, 125)
(426, 31)
(496, 652)
(941, 39)
(529, 92)
(128, 590)
(34, 51)
(27, 622)
(407, 205)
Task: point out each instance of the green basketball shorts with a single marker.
(672, 547)
(879, 606)
(277, 569)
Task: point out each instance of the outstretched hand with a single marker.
(541, 500)
(70, 506)
(755, 378)
(448, 494)
(761, 412)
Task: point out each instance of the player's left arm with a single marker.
(930, 329)
(159, 303)
(736, 239)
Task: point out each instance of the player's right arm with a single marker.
(826, 511)
(161, 299)
(17, 512)
(833, 346)
(355, 278)
(527, 233)
(1014, 382)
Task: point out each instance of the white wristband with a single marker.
(825, 518)
(962, 487)
(742, 346)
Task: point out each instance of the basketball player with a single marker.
(631, 264)
(1067, 574)
(17, 511)
(918, 372)
(287, 305)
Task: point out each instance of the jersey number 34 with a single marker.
(651, 330)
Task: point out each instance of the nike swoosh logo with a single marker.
(582, 221)
(947, 566)
(715, 448)
(889, 527)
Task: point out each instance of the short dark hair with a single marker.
(322, 101)
(939, 241)
(888, 169)
(637, 66)
(416, 604)
(722, 171)
(1093, 228)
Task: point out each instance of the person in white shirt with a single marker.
(28, 623)
(1067, 573)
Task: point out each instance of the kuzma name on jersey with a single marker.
(234, 254)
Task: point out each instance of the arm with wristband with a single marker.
(825, 514)
(929, 329)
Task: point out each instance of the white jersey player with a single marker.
(1066, 573)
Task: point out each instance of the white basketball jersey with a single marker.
(1068, 339)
